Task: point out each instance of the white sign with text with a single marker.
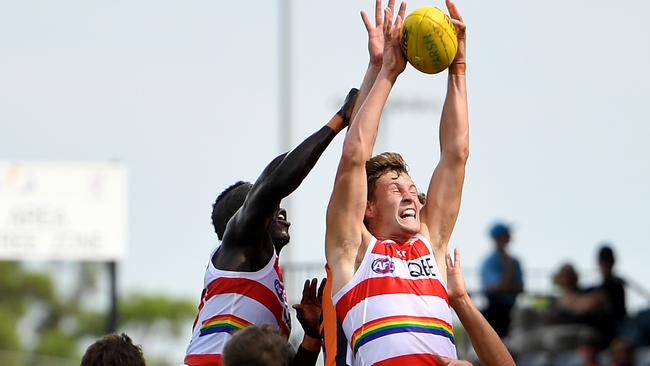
(63, 211)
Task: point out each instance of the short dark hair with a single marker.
(606, 254)
(380, 164)
(227, 203)
(113, 350)
(259, 345)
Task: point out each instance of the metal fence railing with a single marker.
(537, 284)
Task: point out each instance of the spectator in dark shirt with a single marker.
(502, 280)
(612, 289)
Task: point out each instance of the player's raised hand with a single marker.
(455, 281)
(459, 24)
(375, 35)
(394, 60)
(309, 310)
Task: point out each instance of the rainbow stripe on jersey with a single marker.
(399, 324)
(227, 323)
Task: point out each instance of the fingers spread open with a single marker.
(457, 257)
(321, 288)
(378, 12)
(366, 21)
(312, 288)
(459, 25)
(387, 21)
(402, 10)
(453, 10)
(305, 290)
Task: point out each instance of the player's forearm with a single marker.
(336, 123)
(361, 137)
(488, 346)
(307, 353)
(368, 80)
(454, 125)
(299, 162)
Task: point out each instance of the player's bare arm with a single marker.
(487, 344)
(345, 230)
(375, 51)
(246, 240)
(445, 188)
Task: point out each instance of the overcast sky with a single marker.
(185, 94)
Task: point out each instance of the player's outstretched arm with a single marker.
(345, 230)
(281, 177)
(488, 346)
(445, 188)
(375, 52)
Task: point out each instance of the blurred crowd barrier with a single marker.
(538, 295)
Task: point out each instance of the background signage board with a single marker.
(63, 211)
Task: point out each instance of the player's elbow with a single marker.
(352, 156)
(458, 154)
(463, 154)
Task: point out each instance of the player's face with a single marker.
(394, 212)
(280, 229)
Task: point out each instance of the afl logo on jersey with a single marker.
(279, 290)
(383, 265)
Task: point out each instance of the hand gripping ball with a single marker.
(429, 40)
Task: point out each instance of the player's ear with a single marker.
(370, 210)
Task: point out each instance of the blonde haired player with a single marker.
(385, 250)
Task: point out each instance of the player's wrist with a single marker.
(389, 74)
(458, 68)
(459, 302)
(374, 67)
(311, 344)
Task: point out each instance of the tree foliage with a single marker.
(37, 318)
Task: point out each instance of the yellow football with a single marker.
(429, 40)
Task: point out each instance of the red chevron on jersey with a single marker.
(385, 286)
(203, 360)
(253, 290)
(395, 309)
(232, 300)
(411, 360)
(405, 251)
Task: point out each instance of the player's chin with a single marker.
(410, 226)
(281, 238)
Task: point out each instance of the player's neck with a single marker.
(398, 237)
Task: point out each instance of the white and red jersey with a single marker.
(395, 310)
(234, 300)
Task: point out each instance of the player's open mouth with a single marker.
(409, 212)
(282, 218)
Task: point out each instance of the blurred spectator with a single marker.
(502, 280)
(569, 323)
(574, 304)
(639, 330)
(113, 350)
(612, 286)
(612, 289)
(622, 352)
(259, 345)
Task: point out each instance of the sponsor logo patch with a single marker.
(421, 267)
(383, 265)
